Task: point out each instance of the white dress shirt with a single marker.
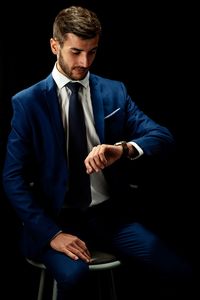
(99, 189)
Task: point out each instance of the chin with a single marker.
(79, 75)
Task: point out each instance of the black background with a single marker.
(150, 47)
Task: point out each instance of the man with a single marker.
(59, 228)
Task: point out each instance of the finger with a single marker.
(95, 165)
(70, 254)
(98, 153)
(101, 155)
(80, 253)
(83, 246)
(91, 165)
(79, 246)
(96, 158)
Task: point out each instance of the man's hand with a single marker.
(102, 156)
(71, 245)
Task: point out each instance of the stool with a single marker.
(101, 261)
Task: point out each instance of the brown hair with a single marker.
(77, 20)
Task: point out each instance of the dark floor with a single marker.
(26, 280)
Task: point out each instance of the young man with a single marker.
(60, 227)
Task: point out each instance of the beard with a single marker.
(75, 73)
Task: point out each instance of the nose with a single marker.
(84, 61)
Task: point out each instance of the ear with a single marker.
(54, 46)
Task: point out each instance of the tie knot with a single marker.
(73, 86)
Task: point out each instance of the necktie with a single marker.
(79, 180)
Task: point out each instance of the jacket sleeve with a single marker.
(18, 182)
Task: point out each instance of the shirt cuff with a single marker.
(140, 151)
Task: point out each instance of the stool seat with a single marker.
(101, 261)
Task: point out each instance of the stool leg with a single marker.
(111, 282)
(113, 288)
(41, 285)
(99, 286)
(54, 295)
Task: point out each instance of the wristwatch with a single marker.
(125, 148)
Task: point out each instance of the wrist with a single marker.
(133, 152)
(128, 150)
(125, 148)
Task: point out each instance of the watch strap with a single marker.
(125, 148)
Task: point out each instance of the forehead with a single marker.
(73, 41)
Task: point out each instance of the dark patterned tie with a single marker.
(79, 180)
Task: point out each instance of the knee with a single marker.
(69, 278)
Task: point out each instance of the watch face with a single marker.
(120, 143)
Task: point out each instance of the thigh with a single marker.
(66, 271)
(134, 242)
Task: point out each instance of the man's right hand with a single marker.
(71, 245)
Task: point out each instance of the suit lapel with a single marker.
(54, 111)
(98, 109)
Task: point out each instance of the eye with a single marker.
(92, 52)
(76, 52)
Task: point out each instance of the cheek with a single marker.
(91, 59)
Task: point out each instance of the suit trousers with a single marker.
(109, 228)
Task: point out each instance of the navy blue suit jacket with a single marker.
(35, 175)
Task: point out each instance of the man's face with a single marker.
(76, 55)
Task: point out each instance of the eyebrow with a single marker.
(79, 49)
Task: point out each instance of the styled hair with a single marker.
(77, 20)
